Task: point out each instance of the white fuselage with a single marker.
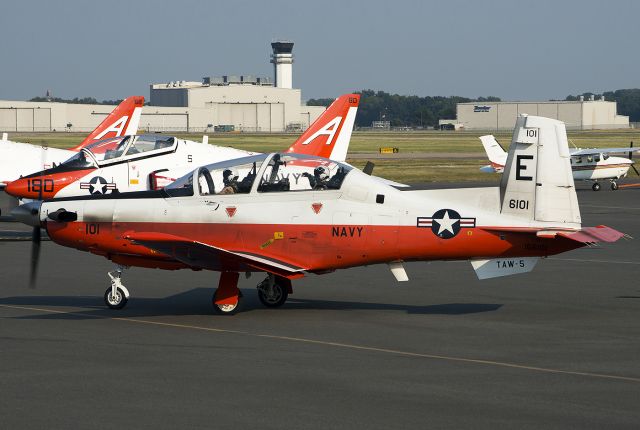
(134, 172)
(19, 159)
(596, 167)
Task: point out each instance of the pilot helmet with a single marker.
(229, 175)
(321, 173)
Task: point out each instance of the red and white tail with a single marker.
(330, 134)
(122, 121)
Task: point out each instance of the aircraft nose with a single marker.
(27, 188)
(28, 213)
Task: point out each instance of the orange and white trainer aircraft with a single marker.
(291, 215)
(148, 162)
(586, 164)
(20, 159)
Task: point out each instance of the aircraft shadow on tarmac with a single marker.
(196, 302)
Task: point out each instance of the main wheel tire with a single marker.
(595, 186)
(227, 309)
(119, 301)
(614, 185)
(277, 298)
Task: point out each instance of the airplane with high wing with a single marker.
(291, 215)
(150, 162)
(586, 164)
(20, 159)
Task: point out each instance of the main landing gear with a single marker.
(116, 296)
(272, 292)
(596, 186)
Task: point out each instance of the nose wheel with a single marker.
(118, 300)
(116, 296)
(614, 185)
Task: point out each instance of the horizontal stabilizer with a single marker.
(601, 233)
(497, 267)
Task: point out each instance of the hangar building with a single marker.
(239, 103)
(577, 115)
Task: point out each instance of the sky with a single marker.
(515, 50)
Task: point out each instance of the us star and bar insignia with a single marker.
(445, 223)
(98, 185)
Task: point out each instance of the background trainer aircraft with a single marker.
(586, 164)
(20, 159)
(148, 162)
(293, 214)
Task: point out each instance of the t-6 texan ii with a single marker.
(150, 162)
(291, 215)
(20, 159)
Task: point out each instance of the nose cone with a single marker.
(44, 185)
(31, 188)
(28, 213)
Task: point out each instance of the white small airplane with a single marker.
(586, 164)
(150, 162)
(19, 159)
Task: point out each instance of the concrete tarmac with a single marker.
(555, 348)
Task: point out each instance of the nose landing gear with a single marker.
(116, 296)
(614, 185)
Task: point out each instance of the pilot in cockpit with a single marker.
(319, 179)
(230, 181)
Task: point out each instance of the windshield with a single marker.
(147, 142)
(227, 177)
(111, 149)
(296, 172)
(80, 160)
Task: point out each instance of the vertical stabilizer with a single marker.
(496, 154)
(537, 183)
(122, 121)
(329, 136)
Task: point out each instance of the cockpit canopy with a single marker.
(109, 151)
(271, 172)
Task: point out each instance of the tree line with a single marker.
(628, 101)
(414, 111)
(76, 100)
(404, 111)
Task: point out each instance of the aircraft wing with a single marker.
(593, 151)
(202, 256)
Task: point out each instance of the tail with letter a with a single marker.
(330, 134)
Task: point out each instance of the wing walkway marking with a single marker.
(344, 345)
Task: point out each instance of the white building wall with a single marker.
(250, 117)
(589, 114)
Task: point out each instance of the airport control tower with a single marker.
(282, 60)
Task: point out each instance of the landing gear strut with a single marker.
(595, 186)
(116, 296)
(274, 291)
(614, 185)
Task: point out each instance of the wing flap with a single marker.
(202, 255)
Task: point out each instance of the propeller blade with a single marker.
(631, 153)
(35, 255)
(635, 170)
